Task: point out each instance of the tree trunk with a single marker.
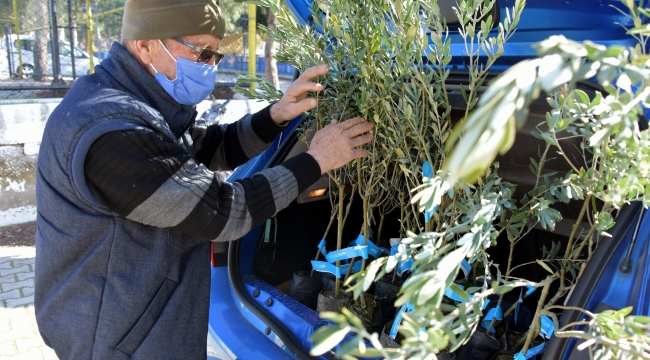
(41, 17)
(270, 65)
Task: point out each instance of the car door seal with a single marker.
(274, 324)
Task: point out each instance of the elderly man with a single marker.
(127, 197)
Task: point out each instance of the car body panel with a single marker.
(574, 19)
(235, 341)
(616, 289)
(230, 333)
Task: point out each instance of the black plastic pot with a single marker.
(385, 340)
(328, 281)
(370, 316)
(386, 294)
(305, 288)
(479, 347)
(328, 302)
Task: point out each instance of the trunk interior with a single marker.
(289, 241)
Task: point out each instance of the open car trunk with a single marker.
(262, 264)
(294, 234)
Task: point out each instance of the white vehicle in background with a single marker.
(10, 45)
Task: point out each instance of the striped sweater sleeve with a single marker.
(147, 178)
(224, 147)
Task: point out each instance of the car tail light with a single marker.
(317, 193)
(212, 254)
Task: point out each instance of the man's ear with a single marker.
(143, 49)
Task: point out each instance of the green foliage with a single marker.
(395, 79)
(615, 163)
(611, 334)
(236, 14)
(609, 124)
(263, 90)
(383, 69)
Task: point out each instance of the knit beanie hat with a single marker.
(160, 19)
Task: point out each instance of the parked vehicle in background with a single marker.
(23, 65)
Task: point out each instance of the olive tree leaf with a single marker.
(327, 337)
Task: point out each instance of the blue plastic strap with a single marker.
(546, 327)
(546, 331)
(466, 267)
(398, 319)
(355, 268)
(347, 253)
(530, 290)
(521, 300)
(427, 171)
(530, 353)
(428, 215)
(321, 246)
(373, 249)
(452, 295)
(394, 249)
(402, 266)
(492, 313)
(486, 302)
(324, 266)
(534, 351)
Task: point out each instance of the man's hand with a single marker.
(337, 143)
(294, 101)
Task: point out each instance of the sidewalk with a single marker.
(19, 337)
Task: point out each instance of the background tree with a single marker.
(110, 25)
(236, 14)
(270, 65)
(41, 18)
(6, 13)
(266, 19)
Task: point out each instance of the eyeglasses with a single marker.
(205, 54)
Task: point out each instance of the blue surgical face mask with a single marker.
(194, 81)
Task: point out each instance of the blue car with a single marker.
(251, 315)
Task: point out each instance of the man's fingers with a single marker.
(359, 129)
(301, 106)
(360, 140)
(358, 153)
(312, 72)
(299, 89)
(351, 122)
